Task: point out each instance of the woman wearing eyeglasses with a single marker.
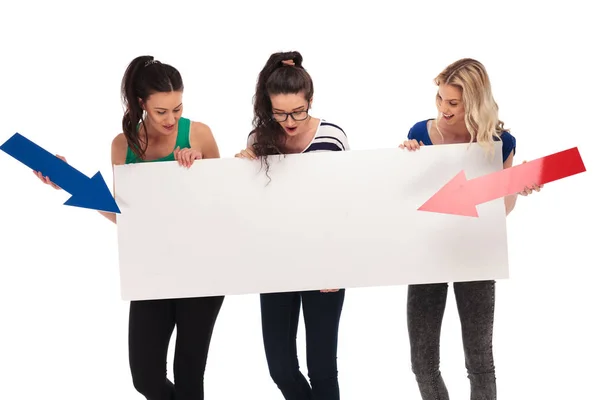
(283, 125)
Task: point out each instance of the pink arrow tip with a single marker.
(452, 198)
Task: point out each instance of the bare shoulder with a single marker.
(119, 149)
(200, 130)
(201, 137)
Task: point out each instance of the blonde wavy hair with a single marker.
(481, 110)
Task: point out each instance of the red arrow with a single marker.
(461, 197)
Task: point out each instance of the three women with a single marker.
(154, 130)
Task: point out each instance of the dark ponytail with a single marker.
(143, 77)
(276, 78)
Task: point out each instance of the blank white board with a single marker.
(325, 220)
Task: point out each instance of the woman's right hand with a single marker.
(246, 153)
(411, 145)
(46, 179)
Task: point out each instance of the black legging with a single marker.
(151, 324)
(280, 316)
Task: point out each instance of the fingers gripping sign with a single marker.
(246, 153)
(411, 145)
(185, 157)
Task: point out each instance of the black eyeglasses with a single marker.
(296, 116)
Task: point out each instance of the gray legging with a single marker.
(425, 310)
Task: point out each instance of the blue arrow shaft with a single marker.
(39, 159)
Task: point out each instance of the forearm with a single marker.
(510, 202)
(110, 216)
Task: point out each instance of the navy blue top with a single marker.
(420, 134)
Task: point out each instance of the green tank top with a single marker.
(183, 141)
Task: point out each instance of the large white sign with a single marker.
(325, 220)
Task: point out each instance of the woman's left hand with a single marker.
(529, 189)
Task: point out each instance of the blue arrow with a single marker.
(85, 192)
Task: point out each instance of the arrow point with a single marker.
(452, 198)
(95, 195)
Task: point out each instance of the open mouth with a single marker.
(447, 116)
(291, 129)
(169, 127)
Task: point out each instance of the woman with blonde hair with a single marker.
(467, 113)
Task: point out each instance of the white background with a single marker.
(64, 327)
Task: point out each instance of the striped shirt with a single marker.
(329, 137)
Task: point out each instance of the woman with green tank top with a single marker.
(181, 142)
(155, 131)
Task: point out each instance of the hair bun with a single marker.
(291, 58)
